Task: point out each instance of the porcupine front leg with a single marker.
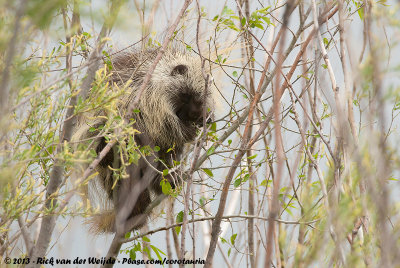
(110, 160)
(133, 194)
(133, 198)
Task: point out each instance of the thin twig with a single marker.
(226, 217)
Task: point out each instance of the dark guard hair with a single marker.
(171, 111)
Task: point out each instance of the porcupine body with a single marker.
(170, 112)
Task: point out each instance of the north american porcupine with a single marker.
(170, 112)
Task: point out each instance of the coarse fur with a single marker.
(170, 113)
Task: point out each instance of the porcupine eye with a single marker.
(179, 70)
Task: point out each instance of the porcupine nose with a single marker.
(195, 111)
(190, 108)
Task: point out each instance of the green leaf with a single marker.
(202, 201)
(146, 150)
(165, 172)
(246, 177)
(237, 182)
(127, 235)
(243, 21)
(137, 247)
(252, 157)
(267, 20)
(171, 149)
(233, 239)
(208, 172)
(157, 251)
(360, 12)
(259, 25)
(166, 187)
(235, 74)
(179, 217)
(211, 150)
(134, 157)
(132, 254)
(146, 239)
(263, 10)
(213, 127)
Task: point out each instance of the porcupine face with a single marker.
(188, 103)
(189, 107)
(180, 100)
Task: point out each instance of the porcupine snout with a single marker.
(189, 108)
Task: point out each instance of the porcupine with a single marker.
(170, 113)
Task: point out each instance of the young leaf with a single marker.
(208, 172)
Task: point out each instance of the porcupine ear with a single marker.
(179, 70)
